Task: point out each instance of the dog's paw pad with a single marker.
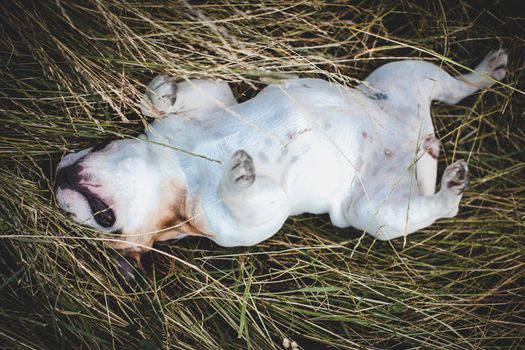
(456, 177)
(495, 64)
(431, 145)
(160, 97)
(242, 169)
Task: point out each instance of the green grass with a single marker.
(72, 73)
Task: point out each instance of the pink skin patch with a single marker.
(431, 145)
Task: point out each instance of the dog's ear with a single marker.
(129, 270)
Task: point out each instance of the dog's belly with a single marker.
(315, 166)
(319, 177)
(310, 142)
(316, 177)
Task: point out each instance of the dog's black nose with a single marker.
(68, 176)
(61, 177)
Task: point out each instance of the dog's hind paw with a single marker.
(495, 64)
(456, 177)
(160, 97)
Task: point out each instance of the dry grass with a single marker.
(72, 73)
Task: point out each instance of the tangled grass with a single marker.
(72, 74)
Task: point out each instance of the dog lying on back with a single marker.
(234, 172)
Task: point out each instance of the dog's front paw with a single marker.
(239, 173)
(456, 178)
(241, 170)
(160, 97)
(495, 64)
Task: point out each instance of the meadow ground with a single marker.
(72, 73)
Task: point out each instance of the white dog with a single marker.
(234, 172)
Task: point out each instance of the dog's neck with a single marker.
(179, 211)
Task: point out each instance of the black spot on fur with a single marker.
(378, 96)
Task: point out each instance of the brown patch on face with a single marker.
(178, 213)
(174, 215)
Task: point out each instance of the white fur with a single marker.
(315, 147)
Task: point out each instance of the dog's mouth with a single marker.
(69, 177)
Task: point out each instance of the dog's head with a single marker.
(130, 187)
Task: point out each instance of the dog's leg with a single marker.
(405, 90)
(451, 90)
(193, 97)
(426, 166)
(258, 205)
(408, 87)
(401, 211)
